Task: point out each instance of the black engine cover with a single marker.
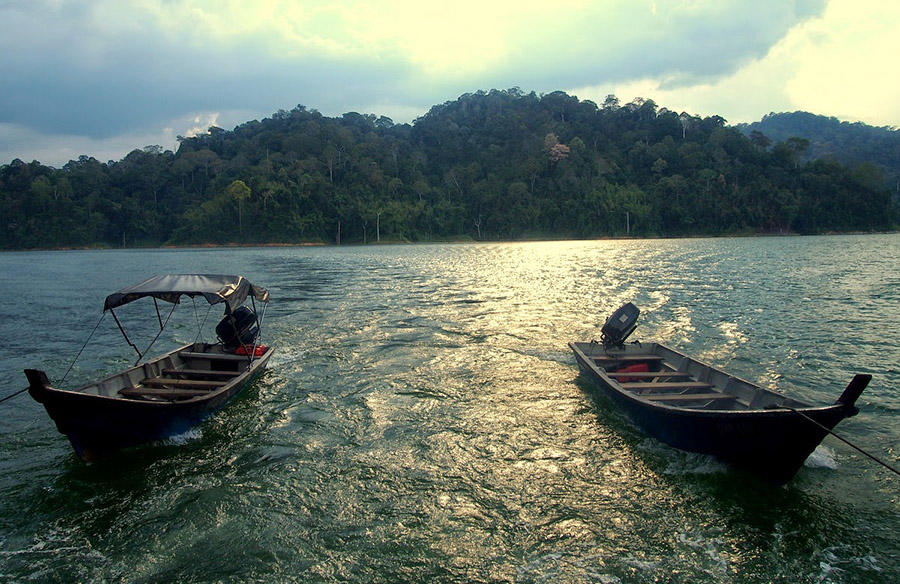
(239, 327)
(618, 326)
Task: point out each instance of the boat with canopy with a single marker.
(167, 395)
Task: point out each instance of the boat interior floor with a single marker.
(652, 378)
(189, 380)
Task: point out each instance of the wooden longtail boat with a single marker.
(696, 407)
(169, 394)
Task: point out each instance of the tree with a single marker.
(240, 192)
(759, 139)
(491, 164)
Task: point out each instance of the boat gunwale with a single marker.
(240, 376)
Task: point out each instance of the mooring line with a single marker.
(12, 395)
(845, 441)
(90, 336)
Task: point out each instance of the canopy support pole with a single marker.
(158, 317)
(162, 327)
(200, 325)
(262, 317)
(124, 334)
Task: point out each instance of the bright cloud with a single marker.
(839, 64)
(846, 62)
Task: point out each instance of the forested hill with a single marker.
(489, 165)
(846, 142)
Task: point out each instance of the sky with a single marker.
(102, 78)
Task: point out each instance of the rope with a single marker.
(845, 441)
(61, 381)
(12, 395)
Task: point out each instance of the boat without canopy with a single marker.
(696, 407)
(171, 393)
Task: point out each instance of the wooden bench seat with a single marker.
(201, 373)
(688, 396)
(665, 385)
(160, 392)
(649, 374)
(213, 356)
(626, 358)
(188, 383)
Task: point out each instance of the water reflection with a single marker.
(423, 419)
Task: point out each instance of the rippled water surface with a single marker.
(424, 420)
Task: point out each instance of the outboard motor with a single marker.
(239, 327)
(619, 326)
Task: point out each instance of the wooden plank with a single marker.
(158, 392)
(649, 374)
(191, 383)
(688, 396)
(213, 356)
(624, 358)
(667, 385)
(201, 373)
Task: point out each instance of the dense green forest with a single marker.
(848, 143)
(489, 165)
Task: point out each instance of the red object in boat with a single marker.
(636, 368)
(246, 349)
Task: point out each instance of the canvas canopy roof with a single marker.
(232, 290)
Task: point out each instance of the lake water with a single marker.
(423, 419)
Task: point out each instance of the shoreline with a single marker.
(441, 241)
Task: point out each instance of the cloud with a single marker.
(846, 62)
(836, 64)
(99, 71)
(55, 149)
(26, 144)
(98, 67)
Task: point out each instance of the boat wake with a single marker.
(681, 463)
(822, 457)
(695, 464)
(184, 438)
